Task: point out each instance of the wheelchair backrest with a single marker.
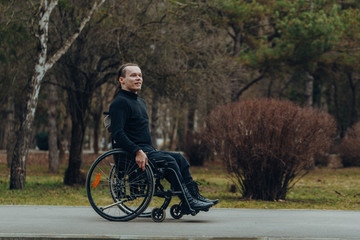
(107, 121)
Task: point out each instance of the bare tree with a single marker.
(90, 63)
(18, 165)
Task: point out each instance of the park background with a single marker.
(197, 57)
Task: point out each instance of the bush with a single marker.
(42, 141)
(193, 146)
(349, 148)
(267, 144)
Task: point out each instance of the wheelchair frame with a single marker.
(118, 190)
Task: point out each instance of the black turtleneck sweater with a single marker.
(129, 122)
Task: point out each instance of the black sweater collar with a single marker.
(127, 93)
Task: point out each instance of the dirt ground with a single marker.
(41, 157)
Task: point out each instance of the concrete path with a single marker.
(59, 222)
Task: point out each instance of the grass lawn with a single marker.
(322, 188)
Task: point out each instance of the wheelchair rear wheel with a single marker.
(117, 189)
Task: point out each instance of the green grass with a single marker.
(321, 189)
(42, 188)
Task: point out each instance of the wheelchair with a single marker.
(118, 190)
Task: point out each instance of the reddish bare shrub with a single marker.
(267, 144)
(349, 148)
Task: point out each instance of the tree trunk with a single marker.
(10, 129)
(18, 162)
(353, 113)
(63, 140)
(309, 86)
(73, 174)
(154, 118)
(19, 157)
(173, 138)
(53, 146)
(96, 118)
(96, 115)
(190, 119)
(79, 104)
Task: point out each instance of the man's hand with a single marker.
(141, 159)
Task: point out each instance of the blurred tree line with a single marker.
(195, 55)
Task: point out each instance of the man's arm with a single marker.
(119, 113)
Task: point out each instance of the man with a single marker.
(130, 131)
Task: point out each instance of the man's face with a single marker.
(133, 79)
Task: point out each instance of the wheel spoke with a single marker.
(113, 205)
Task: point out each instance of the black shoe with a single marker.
(194, 190)
(195, 204)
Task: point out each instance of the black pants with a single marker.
(174, 161)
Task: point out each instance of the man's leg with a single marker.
(159, 156)
(188, 180)
(182, 164)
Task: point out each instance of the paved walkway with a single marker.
(59, 222)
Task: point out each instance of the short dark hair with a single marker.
(122, 71)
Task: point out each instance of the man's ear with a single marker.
(121, 80)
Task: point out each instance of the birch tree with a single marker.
(44, 64)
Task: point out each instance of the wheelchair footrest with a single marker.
(187, 210)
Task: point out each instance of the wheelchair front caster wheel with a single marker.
(158, 214)
(176, 211)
